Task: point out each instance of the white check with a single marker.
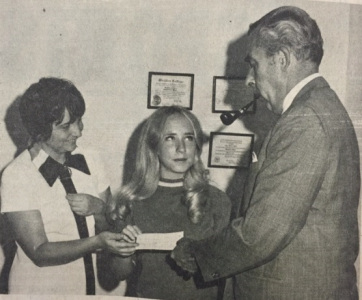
(158, 241)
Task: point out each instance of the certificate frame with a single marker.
(230, 94)
(230, 150)
(166, 89)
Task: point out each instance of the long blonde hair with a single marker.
(145, 178)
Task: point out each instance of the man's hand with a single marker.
(182, 254)
(85, 204)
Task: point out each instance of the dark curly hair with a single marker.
(44, 103)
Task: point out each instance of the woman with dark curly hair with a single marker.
(53, 194)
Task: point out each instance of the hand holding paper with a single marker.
(183, 255)
(127, 243)
(130, 233)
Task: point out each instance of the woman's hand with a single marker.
(85, 204)
(123, 244)
(130, 233)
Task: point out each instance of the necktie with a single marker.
(50, 167)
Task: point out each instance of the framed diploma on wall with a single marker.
(230, 150)
(166, 89)
(230, 94)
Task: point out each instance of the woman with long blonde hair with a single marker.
(168, 192)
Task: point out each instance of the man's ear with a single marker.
(283, 57)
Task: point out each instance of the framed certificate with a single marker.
(231, 94)
(230, 150)
(166, 89)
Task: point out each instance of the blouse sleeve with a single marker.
(18, 190)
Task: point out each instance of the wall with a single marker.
(107, 49)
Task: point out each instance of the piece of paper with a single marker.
(158, 241)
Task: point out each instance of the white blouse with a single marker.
(23, 188)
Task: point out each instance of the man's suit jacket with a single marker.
(297, 237)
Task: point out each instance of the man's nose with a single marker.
(250, 79)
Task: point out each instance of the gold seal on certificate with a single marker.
(166, 89)
(230, 150)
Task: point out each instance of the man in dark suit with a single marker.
(297, 236)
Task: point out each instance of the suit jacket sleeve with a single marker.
(283, 192)
(221, 210)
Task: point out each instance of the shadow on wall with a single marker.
(20, 138)
(15, 128)
(258, 123)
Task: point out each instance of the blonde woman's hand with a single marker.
(128, 242)
(115, 243)
(130, 233)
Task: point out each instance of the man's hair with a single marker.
(44, 103)
(289, 27)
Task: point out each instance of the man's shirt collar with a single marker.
(288, 100)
